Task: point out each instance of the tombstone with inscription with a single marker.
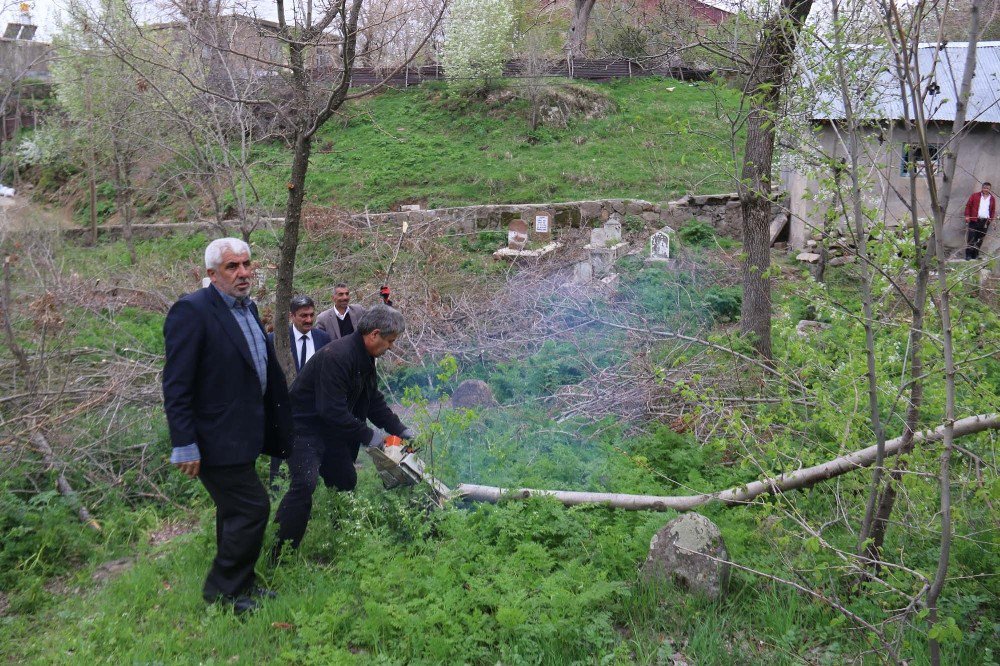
(659, 244)
(542, 222)
(517, 234)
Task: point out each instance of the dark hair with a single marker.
(299, 302)
(987, 184)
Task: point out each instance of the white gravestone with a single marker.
(659, 244)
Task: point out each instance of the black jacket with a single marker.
(211, 392)
(337, 392)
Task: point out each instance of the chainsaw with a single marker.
(398, 465)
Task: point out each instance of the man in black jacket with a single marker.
(226, 403)
(332, 398)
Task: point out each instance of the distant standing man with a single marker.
(980, 210)
(226, 402)
(304, 341)
(342, 319)
(332, 399)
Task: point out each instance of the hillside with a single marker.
(663, 138)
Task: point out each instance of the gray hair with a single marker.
(213, 253)
(387, 320)
(340, 285)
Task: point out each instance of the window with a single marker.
(914, 160)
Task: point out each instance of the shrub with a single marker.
(724, 302)
(697, 233)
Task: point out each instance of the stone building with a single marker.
(246, 47)
(889, 152)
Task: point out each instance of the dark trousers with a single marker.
(976, 234)
(241, 512)
(312, 458)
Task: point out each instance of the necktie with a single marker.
(302, 357)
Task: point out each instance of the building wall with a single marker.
(888, 188)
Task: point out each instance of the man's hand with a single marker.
(190, 469)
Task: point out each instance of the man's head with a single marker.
(227, 262)
(379, 327)
(301, 312)
(986, 188)
(341, 297)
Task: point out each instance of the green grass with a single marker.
(407, 145)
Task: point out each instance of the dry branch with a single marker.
(65, 489)
(740, 495)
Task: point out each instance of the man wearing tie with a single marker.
(340, 320)
(305, 341)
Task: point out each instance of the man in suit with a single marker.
(333, 398)
(226, 402)
(980, 210)
(340, 320)
(304, 342)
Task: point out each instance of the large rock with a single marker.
(473, 393)
(678, 553)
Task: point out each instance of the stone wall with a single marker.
(720, 211)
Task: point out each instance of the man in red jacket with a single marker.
(979, 211)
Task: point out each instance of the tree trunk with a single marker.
(578, 27)
(944, 312)
(290, 246)
(802, 478)
(772, 60)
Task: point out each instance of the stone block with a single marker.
(590, 211)
(689, 551)
(473, 393)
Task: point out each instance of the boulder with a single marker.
(808, 327)
(678, 553)
(809, 257)
(473, 393)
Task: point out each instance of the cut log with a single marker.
(801, 478)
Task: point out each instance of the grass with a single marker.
(408, 146)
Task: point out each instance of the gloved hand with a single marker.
(377, 440)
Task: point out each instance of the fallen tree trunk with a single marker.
(740, 495)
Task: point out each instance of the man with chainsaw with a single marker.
(333, 397)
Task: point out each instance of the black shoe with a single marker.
(258, 592)
(245, 604)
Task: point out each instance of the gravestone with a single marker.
(541, 227)
(659, 244)
(613, 230)
(517, 235)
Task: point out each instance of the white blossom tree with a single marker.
(478, 37)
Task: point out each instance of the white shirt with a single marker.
(310, 345)
(984, 206)
(347, 310)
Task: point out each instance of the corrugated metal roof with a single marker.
(876, 93)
